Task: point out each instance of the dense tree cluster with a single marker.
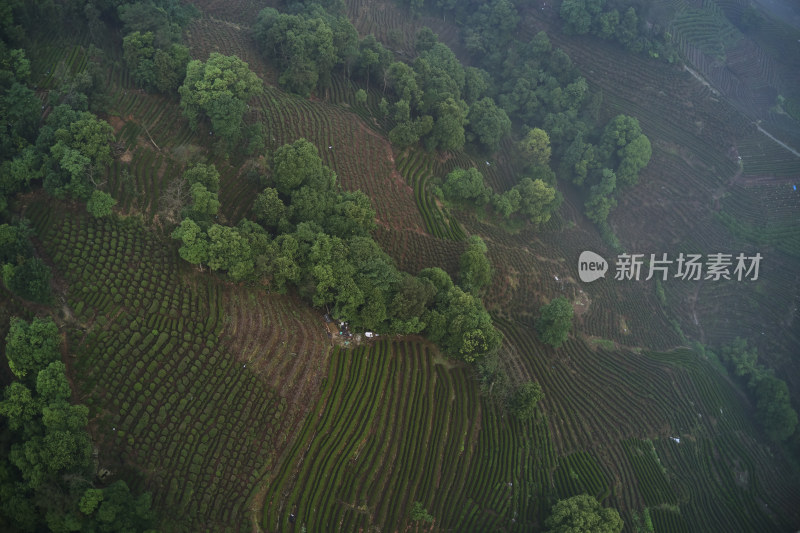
(218, 90)
(540, 88)
(75, 151)
(620, 21)
(583, 514)
(466, 185)
(70, 152)
(533, 198)
(154, 68)
(46, 474)
(19, 120)
(24, 274)
(476, 270)
(151, 47)
(621, 152)
(555, 322)
(771, 394)
(436, 101)
(524, 400)
(309, 45)
(309, 234)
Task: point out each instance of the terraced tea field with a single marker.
(239, 413)
(394, 425)
(161, 359)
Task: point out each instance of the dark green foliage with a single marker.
(583, 514)
(578, 14)
(466, 185)
(774, 406)
(507, 203)
(418, 512)
(742, 359)
(152, 67)
(205, 203)
(194, 241)
(14, 243)
(229, 250)
(51, 383)
(373, 60)
(525, 398)
(100, 204)
(625, 148)
(461, 326)
(488, 124)
(603, 19)
(403, 135)
(25, 275)
(477, 83)
(425, 39)
(402, 80)
(555, 322)
(76, 150)
(219, 90)
(412, 298)
(115, 508)
(601, 200)
(535, 147)
(294, 165)
(268, 208)
(31, 347)
(206, 175)
(537, 200)
(444, 62)
(50, 448)
(441, 281)
(164, 18)
(449, 118)
(476, 270)
(578, 160)
(20, 110)
(302, 46)
(490, 29)
(771, 394)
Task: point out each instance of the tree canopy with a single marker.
(535, 147)
(466, 185)
(488, 124)
(476, 270)
(76, 152)
(219, 90)
(49, 447)
(100, 204)
(625, 148)
(316, 238)
(525, 398)
(303, 47)
(30, 347)
(583, 514)
(770, 394)
(555, 322)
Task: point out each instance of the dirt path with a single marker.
(701, 79)
(738, 179)
(765, 132)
